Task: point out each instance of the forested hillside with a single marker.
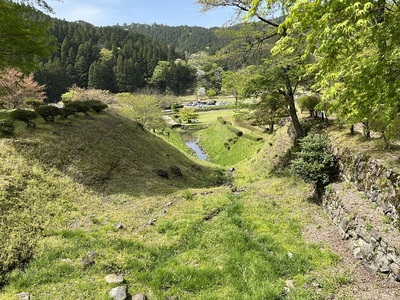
(190, 39)
(108, 58)
(123, 58)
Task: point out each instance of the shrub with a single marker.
(176, 171)
(252, 137)
(211, 93)
(34, 103)
(97, 105)
(222, 120)
(235, 130)
(65, 112)
(47, 112)
(315, 163)
(7, 127)
(79, 106)
(161, 173)
(24, 115)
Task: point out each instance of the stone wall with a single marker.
(380, 184)
(365, 206)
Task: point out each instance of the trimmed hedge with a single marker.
(7, 127)
(230, 127)
(236, 131)
(253, 138)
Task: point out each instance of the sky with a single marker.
(166, 12)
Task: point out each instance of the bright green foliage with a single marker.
(24, 115)
(234, 83)
(356, 48)
(188, 114)
(314, 163)
(144, 109)
(270, 110)
(309, 102)
(22, 41)
(211, 93)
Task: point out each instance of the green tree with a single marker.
(188, 114)
(23, 40)
(207, 71)
(356, 49)
(101, 73)
(270, 109)
(144, 109)
(128, 75)
(260, 83)
(47, 112)
(234, 83)
(159, 77)
(309, 102)
(55, 78)
(285, 67)
(315, 163)
(173, 77)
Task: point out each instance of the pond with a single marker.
(191, 141)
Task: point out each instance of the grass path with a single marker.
(202, 244)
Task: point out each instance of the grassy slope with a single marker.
(205, 242)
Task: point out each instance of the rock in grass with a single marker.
(92, 255)
(139, 297)
(24, 296)
(113, 278)
(118, 293)
(89, 260)
(119, 225)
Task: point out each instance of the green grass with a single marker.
(109, 154)
(63, 186)
(224, 147)
(239, 253)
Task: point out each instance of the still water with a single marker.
(191, 141)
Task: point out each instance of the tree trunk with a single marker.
(271, 126)
(295, 119)
(366, 130)
(289, 95)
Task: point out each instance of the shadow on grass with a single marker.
(111, 154)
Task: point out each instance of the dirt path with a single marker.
(365, 286)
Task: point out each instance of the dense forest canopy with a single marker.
(346, 52)
(190, 39)
(122, 58)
